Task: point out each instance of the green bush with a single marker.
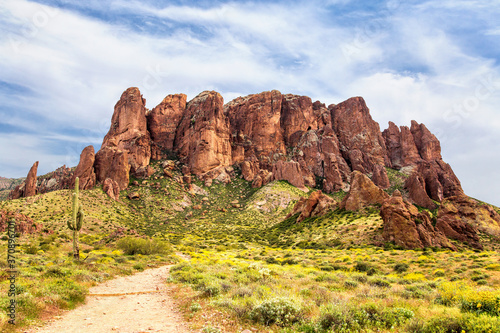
(401, 267)
(134, 245)
(279, 310)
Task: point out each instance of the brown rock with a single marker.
(380, 177)
(134, 196)
(363, 193)
(186, 179)
(85, 170)
(55, 180)
(24, 224)
(319, 155)
(289, 171)
(315, 205)
(406, 227)
(401, 148)
(362, 144)
(163, 121)
(167, 173)
(297, 117)
(31, 181)
(111, 188)
(203, 136)
(427, 144)
(417, 191)
(255, 127)
(110, 162)
(128, 137)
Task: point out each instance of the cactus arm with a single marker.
(79, 220)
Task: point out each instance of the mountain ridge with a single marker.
(273, 136)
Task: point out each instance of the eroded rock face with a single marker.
(401, 148)
(29, 187)
(31, 181)
(417, 191)
(406, 227)
(460, 218)
(297, 117)
(55, 180)
(128, 137)
(85, 170)
(362, 144)
(363, 193)
(427, 144)
(289, 171)
(319, 155)
(111, 188)
(163, 121)
(255, 128)
(113, 163)
(203, 135)
(315, 205)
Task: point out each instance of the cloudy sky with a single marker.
(64, 64)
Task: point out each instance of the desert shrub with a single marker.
(481, 301)
(350, 284)
(210, 329)
(279, 310)
(401, 267)
(195, 307)
(379, 283)
(447, 323)
(353, 318)
(134, 245)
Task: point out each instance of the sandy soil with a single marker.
(136, 303)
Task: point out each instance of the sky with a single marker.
(64, 64)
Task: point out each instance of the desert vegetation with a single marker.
(250, 267)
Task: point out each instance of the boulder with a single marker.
(363, 193)
(316, 204)
(111, 188)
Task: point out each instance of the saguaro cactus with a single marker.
(76, 221)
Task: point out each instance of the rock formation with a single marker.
(111, 188)
(315, 205)
(363, 193)
(85, 170)
(127, 146)
(163, 121)
(29, 187)
(405, 226)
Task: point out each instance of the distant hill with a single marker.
(7, 185)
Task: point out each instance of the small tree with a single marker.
(76, 221)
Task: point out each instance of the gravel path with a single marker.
(129, 304)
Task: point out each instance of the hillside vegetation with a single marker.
(251, 267)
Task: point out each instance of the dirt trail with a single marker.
(136, 303)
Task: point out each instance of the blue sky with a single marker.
(64, 64)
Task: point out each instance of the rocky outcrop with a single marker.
(113, 163)
(289, 171)
(363, 193)
(427, 144)
(31, 181)
(29, 187)
(126, 147)
(297, 117)
(401, 148)
(362, 144)
(256, 128)
(163, 121)
(111, 188)
(316, 204)
(24, 224)
(85, 170)
(55, 180)
(416, 186)
(318, 154)
(203, 136)
(405, 226)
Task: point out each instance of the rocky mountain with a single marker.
(274, 136)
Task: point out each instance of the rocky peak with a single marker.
(362, 144)
(427, 144)
(163, 121)
(203, 135)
